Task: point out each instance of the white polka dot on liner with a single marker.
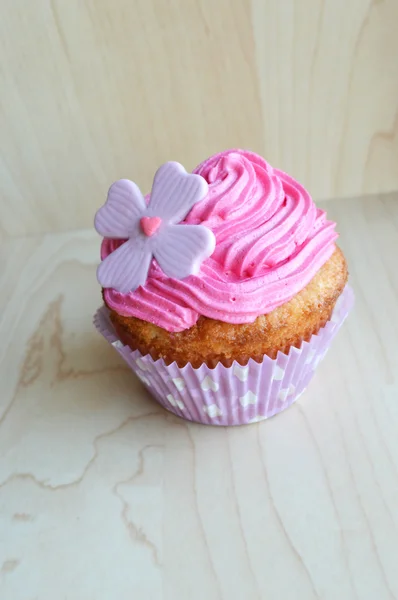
(175, 402)
(241, 373)
(248, 398)
(212, 410)
(143, 379)
(208, 384)
(179, 383)
(278, 373)
(286, 392)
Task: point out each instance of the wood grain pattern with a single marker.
(105, 495)
(92, 91)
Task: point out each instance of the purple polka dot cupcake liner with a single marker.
(235, 395)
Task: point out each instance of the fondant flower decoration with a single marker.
(152, 230)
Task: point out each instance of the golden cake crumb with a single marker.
(210, 341)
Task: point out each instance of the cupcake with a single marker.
(222, 288)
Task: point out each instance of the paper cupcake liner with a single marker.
(232, 395)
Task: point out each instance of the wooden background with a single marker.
(95, 90)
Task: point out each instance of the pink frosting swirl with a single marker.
(271, 240)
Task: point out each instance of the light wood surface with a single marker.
(93, 90)
(105, 495)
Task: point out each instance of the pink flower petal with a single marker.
(123, 208)
(181, 249)
(127, 267)
(174, 192)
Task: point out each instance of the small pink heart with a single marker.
(150, 225)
